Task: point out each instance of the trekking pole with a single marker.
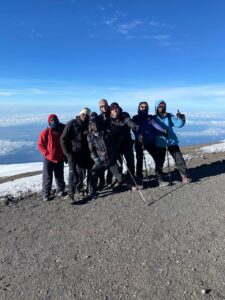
(168, 163)
(132, 177)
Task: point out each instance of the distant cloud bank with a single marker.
(8, 147)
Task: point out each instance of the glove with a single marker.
(180, 115)
(165, 133)
(140, 138)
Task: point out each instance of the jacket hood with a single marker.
(157, 105)
(140, 103)
(51, 116)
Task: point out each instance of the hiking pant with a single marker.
(128, 152)
(95, 174)
(177, 156)
(152, 150)
(139, 159)
(77, 174)
(108, 178)
(49, 168)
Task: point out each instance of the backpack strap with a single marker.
(170, 120)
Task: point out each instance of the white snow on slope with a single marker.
(34, 183)
(10, 170)
(220, 147)
(25, 185)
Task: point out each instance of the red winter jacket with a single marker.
(49, 144)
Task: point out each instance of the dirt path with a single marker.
(118, 247)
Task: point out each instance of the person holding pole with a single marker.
(170, 143)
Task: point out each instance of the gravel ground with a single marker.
(117, 246)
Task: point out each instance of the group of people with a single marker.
(96, 145)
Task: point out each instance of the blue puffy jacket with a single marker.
(167, 122)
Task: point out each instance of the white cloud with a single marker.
(205, 123)
(6, 94)
(127, 27)
(207, 132)
(102, 8)
(34, 34)
(28, 91)
(8, 147)
(24, 119)
(161, 37)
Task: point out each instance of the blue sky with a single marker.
(71, 53)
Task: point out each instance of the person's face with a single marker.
(83, 117)
(143, 107)
(94, 127)
(104, 107)
(53, 121)
(161, 109)
(115, 110)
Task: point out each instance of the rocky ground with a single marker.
(117, 246)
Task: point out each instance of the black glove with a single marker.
(180, 115)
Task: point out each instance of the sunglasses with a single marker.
(103, 106)
(114, 108)
(143, 106)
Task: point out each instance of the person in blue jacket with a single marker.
(145, 140)
(168, 121)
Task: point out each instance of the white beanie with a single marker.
(85, 111)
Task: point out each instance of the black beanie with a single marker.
(93, 118)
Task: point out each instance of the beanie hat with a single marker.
(52, 116)
(162, 103)
(85, 111)
(93, 118)
(114, 104)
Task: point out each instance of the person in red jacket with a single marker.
(50, 148)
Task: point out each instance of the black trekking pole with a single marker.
(132, 177)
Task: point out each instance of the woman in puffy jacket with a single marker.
(170, 142)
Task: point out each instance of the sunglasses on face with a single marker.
(143, 107)
(103, 106)
(114, 108)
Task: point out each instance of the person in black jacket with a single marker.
(121, 125)
(104, 123)
(103, 152)
(146, 139)
(75, 147)
(104, 115)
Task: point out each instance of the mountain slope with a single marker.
(117, 246)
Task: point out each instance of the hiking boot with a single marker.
(70, 197)
(61, 193)
(100, 186)
(140, 183)
(45, 198)
(186, 179)
(162, 182)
